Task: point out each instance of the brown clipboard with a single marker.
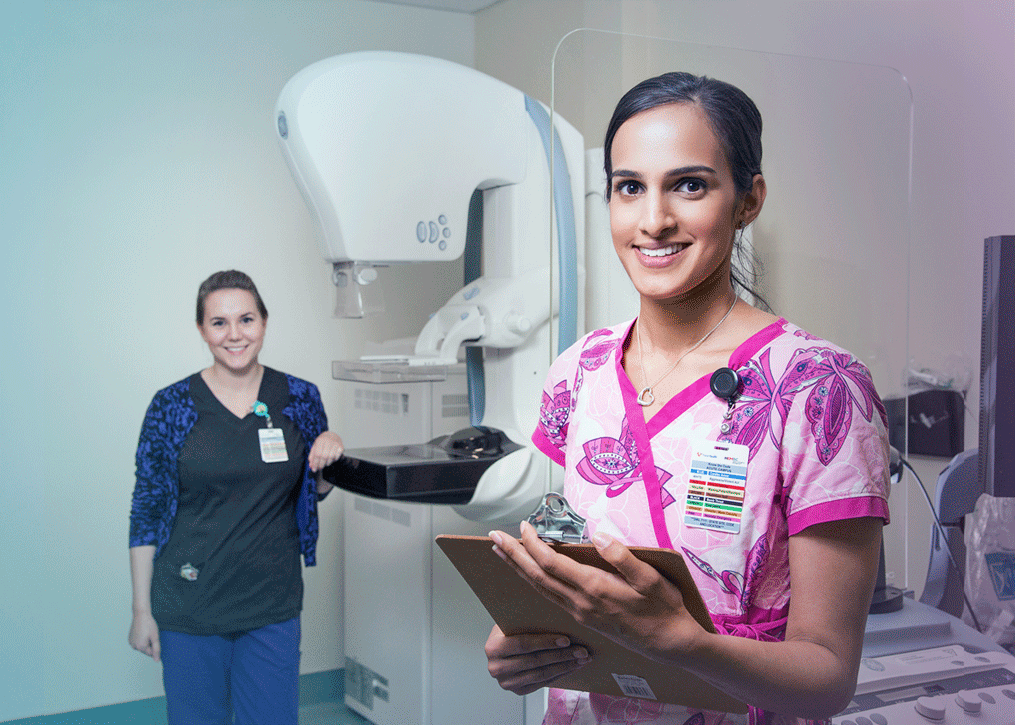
(517, 608)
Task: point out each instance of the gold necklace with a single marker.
(645, 397)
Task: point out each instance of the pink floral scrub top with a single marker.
(811, 430)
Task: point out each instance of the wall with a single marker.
(959, 60)
(139, 156)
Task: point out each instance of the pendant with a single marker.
(645, 397)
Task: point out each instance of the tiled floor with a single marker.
(329, 713)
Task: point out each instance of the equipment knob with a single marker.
(968, 701)
(365, 275)
(518, 324)
(931, 708)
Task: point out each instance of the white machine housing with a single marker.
(388, 149)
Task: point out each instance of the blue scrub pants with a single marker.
(253, 674)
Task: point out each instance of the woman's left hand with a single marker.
(326, 450)
(637, 607)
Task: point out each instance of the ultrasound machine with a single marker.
(921, 664)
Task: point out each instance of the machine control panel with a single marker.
(948, 685)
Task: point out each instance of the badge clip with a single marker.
(555, 520)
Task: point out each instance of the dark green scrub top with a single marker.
(236, 522)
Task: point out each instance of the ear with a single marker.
(753, 200)
(200, 331)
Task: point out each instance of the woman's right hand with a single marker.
(144, 635)
(524, 663)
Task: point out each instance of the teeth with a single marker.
(663, 252)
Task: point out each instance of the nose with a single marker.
(234, 331)
(657, 218)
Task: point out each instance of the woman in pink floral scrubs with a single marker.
(629, 412)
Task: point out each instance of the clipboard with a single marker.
(517, 608)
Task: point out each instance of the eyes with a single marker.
(245, 320)
(689, 187)
(627, 188)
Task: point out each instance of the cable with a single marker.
(944, 538)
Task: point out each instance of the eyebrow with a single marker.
(680, 171)
(224, 317)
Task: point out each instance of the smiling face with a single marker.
(233, 329)
(673, 205)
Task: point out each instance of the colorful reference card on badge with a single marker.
(715, 491)
(272, 445)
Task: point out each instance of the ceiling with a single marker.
(456, 6)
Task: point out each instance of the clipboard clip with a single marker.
(555, 520)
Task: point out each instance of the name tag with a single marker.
(715, 491)
(272, 445)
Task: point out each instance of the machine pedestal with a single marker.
(414, 631)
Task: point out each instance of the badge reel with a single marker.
(725, 384)
(555, 520)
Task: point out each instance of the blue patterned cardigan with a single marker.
(166, 425)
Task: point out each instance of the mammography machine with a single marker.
(398, 157)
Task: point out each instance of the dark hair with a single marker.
(229, 279)
(731, 113)
(734, 119)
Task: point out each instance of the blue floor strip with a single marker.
(315, 688)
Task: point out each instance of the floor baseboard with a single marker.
(315, 688)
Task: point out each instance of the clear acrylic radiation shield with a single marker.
(833, 239)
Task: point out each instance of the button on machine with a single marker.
(932, 708)
(969, 701)
(942, 685)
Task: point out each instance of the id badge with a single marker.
(715, 491)
(272, 445)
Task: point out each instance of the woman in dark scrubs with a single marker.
(230, 467)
